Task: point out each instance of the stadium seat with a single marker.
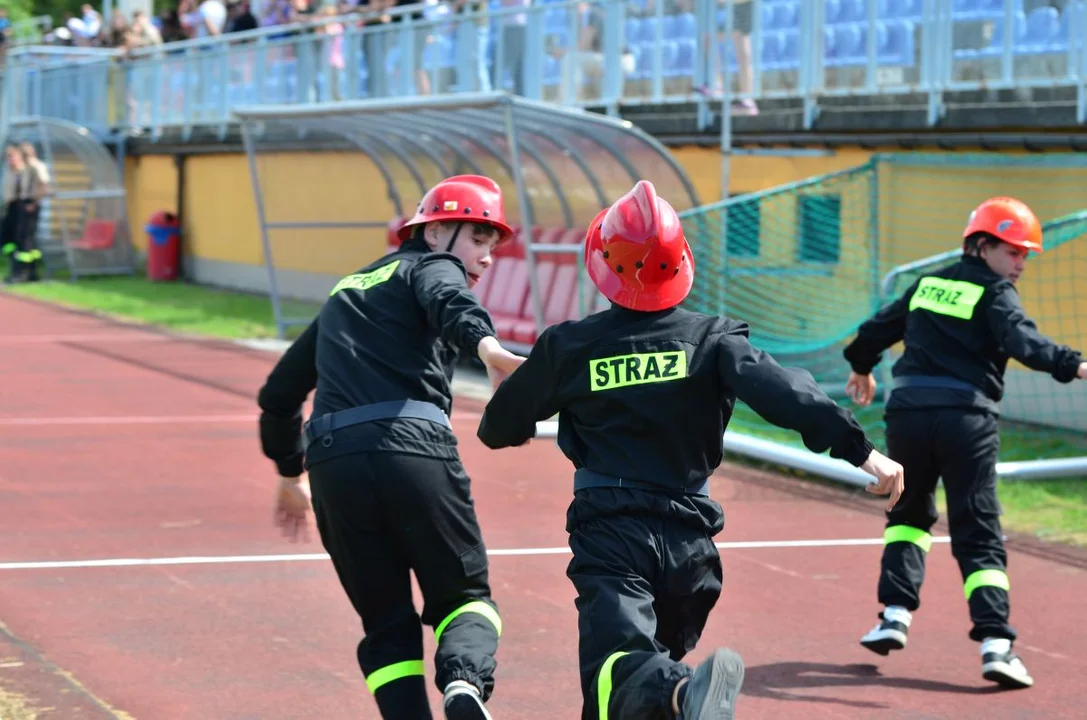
(97, 235)
(558, 293)
(853, 11)
(508, 287)
(1042, 33)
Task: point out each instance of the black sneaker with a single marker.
(463, 702)
(886, 636)
(1006, 670)
(712, 690)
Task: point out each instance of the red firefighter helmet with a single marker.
(461, 198)
(636, 253)
(1009, 220)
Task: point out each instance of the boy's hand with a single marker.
(889, 475)
(500, 362)
(1082, 374)
(861, 388)
(292, 507)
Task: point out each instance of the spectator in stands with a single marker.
(170, 27)
(12, 190)
(5, 33)
(206, 20)
(239, 17)
(471, 45)
(422, 36)
(376, 39)
(143, 32)
(85, 28)
(742, 22)
(512, 27)
(116, 35)
(587, 57)
(332, 50)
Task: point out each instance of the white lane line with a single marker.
(128, 419)
(304, 557)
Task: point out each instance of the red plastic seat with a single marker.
(97, 235)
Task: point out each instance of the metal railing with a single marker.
(801, 52)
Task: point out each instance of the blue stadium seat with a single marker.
(769, 56)
(788, 15)
(996, 44)
(669, 54)
(789, 55)
(904, 9)
(895, 42)
(853, 11)
(688, 25)
(832, 12)
(1042, 34)
(684, 65)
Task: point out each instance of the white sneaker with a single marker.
(1006, 670)
(463, 702)
(890, 633)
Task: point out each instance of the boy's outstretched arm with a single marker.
(874, 336)
(790, 398)
(1018, 336)
(527, 396)
(281, 400)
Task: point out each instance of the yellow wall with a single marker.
(922, 212)
(750, 173)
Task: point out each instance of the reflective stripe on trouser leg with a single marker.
(396, 671)
(988, 597)
(476, 606)
(467, 644)
(603, 684)
(905, 533)
(986, 578)
(902, 569)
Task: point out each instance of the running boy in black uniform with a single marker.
(644, 392)
(389, 492)
(960, 326)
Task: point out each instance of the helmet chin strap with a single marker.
(453, 238)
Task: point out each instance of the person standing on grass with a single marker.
(389, 492)
(960, 326)
(644, 392)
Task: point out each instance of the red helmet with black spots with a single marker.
(636, 252)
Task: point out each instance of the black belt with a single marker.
(585, 478)
(322, 427)
(933, 381)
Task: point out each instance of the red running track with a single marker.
(123, 443)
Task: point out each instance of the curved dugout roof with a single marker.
(60, 141)
(564, 164)
(88, 184)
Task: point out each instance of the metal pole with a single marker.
(726, 161)
(526, 216)
(258, 199)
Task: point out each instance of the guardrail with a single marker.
(600, 53)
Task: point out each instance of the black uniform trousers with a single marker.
(29, 254)
(20, 238)
(10, 240)
(647, 575)
(961, 446)
(381, 515)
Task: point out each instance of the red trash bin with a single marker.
(163, 246)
